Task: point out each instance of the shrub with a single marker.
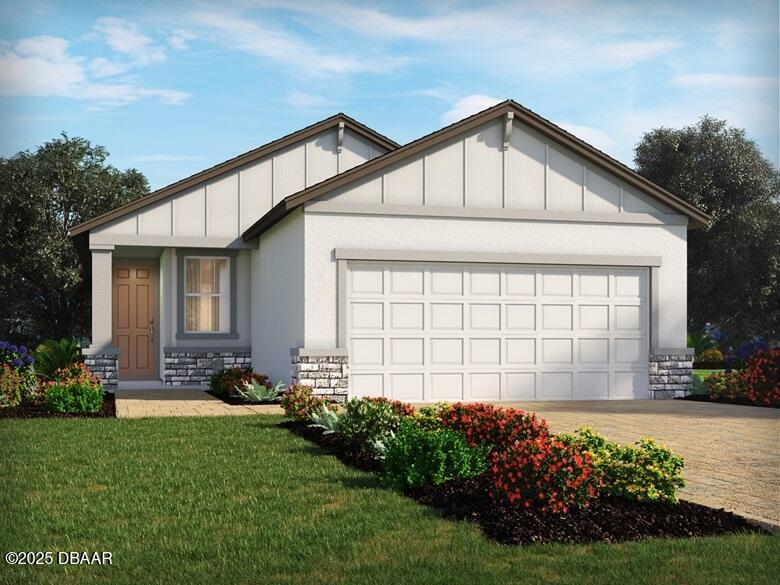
(761, 378)
(417, 456)
(53, 355)
(543, 472)
(17, 381)
(430, 417)
(10, 386)
(299, 402)
(758, 382)
(74, 389)
(402, 408)
(710, 355)
(647, 472)
(369, 422)
(728, 385)
(224, 382)
(497, 427)
(253, 391)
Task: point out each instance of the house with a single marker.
(499, 258)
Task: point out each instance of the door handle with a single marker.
(151, 333)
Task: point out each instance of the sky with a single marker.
(171, 88)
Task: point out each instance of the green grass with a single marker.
(237, 500)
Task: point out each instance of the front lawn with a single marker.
(239, 500)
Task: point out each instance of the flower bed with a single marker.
(756, 383)
(51, 382)
(532, 486)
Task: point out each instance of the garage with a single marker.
(458, 331)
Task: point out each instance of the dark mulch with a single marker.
(108, 410)
(334, 444)
(605, 520)
(709, 365)
(737, 401)
(234, 400)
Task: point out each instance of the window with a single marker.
(207, 294)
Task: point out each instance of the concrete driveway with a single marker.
(732, 453)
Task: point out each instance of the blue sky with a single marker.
(172, 88)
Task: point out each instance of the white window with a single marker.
(206, 294)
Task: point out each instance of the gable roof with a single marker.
(536, 122)
(234, 163)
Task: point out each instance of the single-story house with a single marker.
(499, 258)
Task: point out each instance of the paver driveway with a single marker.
(732, 453)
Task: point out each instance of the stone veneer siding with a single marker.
(104, 366)
(670, 375)
(327, 372)
(190, 367)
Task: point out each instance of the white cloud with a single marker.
(126, 38)
(43, 66)
(299, 99)
(180, 37)
(466, 106)
(593, 136)
(723, 81)
(623, 55)
(240, 33)
(102, 67)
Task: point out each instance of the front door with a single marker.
(135, 328)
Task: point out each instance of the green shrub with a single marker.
(52, 355)
(710, 355)
(74, 390)
(369, 423)
(729, 385)
(647, 472)
(430, 417)
(253, 391)
(417, 456)
(224, 381)
(299, 402)
(10, 386)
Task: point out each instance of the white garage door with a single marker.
(427, 332)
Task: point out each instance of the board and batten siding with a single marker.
(227, 205)
(474, 170)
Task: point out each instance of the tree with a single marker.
(734, 263)
(42, 195)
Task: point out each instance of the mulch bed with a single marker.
(108, 410)
(605, 520)
(237, 400)
(737, 401)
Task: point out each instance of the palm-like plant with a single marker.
(53, 355)
(253, 391)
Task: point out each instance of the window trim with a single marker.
(181, 255)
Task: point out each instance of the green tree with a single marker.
(42, 195)
(734, 263)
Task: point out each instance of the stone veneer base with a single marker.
(326, 371)
(670, 375)
(194, 368)
(104, 366)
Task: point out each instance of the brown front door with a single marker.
(135, 327)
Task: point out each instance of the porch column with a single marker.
(101, 355)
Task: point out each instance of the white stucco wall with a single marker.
(325, 232)
(277, 297)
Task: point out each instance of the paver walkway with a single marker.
(181, 402)
(732, 453)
